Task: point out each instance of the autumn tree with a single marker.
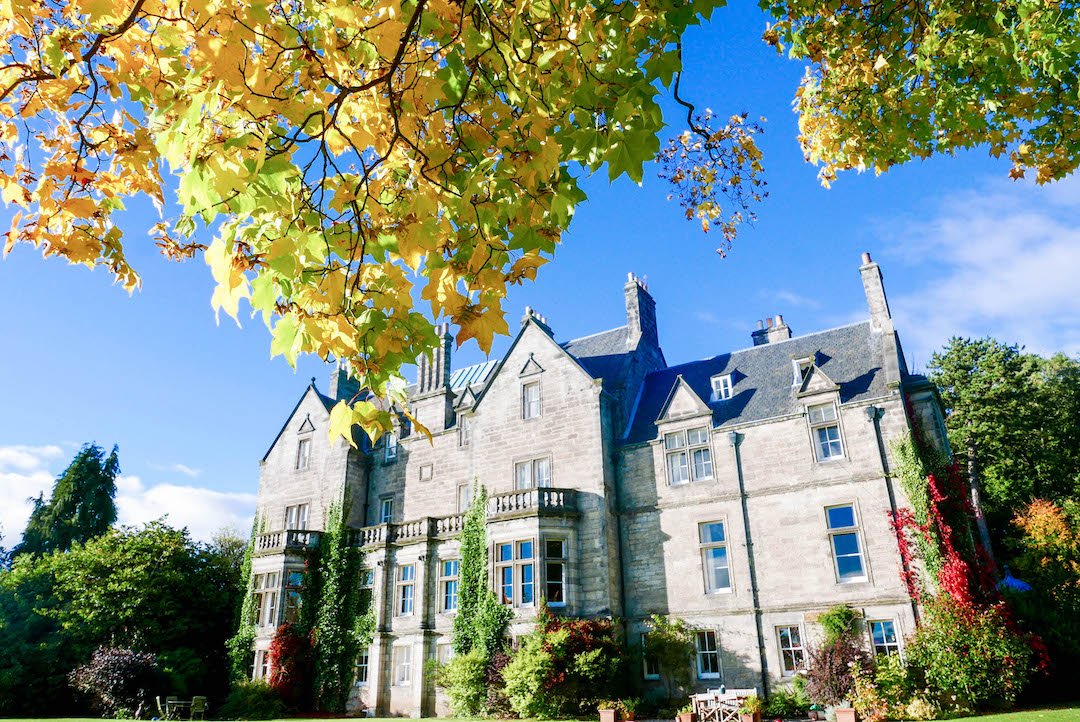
(337, 160)
(888, 82)
(80, 508)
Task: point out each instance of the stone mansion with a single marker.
(743, 493)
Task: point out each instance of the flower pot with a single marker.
(609, 715)
(687, 717)
(845, 714)
(813, 714)
(749, 717)
(628, 716)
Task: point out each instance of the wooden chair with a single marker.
(198, 707)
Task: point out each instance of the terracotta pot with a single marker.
(748, 717)
(628, 716)
(609, 715)
(687, 717)
(845, 714)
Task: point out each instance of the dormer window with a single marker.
(721, 387)
(799, 368)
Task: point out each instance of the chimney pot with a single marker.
(779, 320)
(866, 260)
(769, 322)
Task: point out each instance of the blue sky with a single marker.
(193, 404)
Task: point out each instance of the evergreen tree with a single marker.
(80, 508)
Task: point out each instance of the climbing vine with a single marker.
(239, 646)
(344, 619)
(481, 620)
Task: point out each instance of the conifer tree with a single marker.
(80, 508)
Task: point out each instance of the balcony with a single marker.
(291, 541)
(511, 505)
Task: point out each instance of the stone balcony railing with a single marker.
(525, 502)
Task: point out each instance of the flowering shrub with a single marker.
(829, 678)
(970, 657)
(118, 679)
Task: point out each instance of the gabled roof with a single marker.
(327, 402)
(816, 381)
(761, 377)
(683, 402)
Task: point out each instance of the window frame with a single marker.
(723, 388)
(405, 590)
(464, 430)
(700, 654)
(390, 446)
(445, 580)
(707, 546)
(468, 489)
(853, 529)
(886, 644)
(548, 562)
(533, 479)
(648, 661)
(527, 405)
(799, 368)
(303, 454)
(825, 425)
(293, 595)
(401, 658)
(386, 510)
(798, 650)
(362, 669)
(295, 514)
(677, 444)
(268, 592)
(516, 565)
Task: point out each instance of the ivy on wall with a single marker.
(480, 620)
(241, 654)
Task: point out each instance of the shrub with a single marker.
(828, 673)
(789, 701)
(252, 700)
(671, 643)
(971, 657)
(498, 703)
(118, 679)
(838, 621)
(565, 667)
(291, 666)
(465, 679)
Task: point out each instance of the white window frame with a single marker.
(679, 444)
(799, 367)
(362, 667)
(402, 664)
(303, 454)
(722, 387)
(427, 472)
(296, 517)
(405, 592)
(261, 668)
(386, 509)
(531, 408)
(464, 501)
(464, 430)
(516, 566)
(825, 423)
(797, 651)
(267, 590)
(390, 450)
(444, 652)
(895, 645)
(445, 582)
(836, 531)
(700, 654)
(706, 547)
(527, 474)
(551, 561)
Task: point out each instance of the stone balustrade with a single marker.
(523, 502)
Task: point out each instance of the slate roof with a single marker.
(602, 355)
(475, 375)
(762, 378)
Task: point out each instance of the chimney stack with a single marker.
(771, 330)
(874, 286)
(640, 313)
(433, 371)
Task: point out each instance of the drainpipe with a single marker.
(735, 438)
(873, 415)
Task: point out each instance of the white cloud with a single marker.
(24, 473)
(1002, 260)
(178, 468)
(203, 511)
(792, 299)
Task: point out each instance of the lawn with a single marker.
(1055, 714)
